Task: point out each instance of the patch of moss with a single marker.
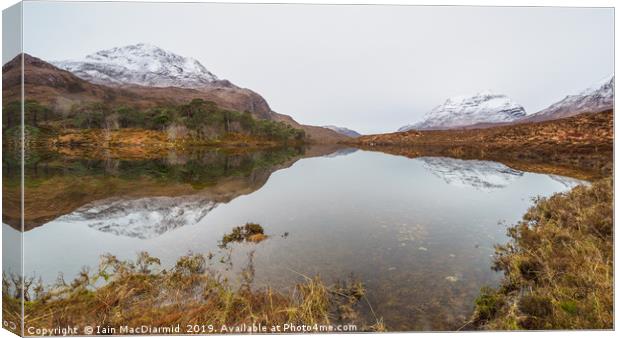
(487, 304)
(569, 306)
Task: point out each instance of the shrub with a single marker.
(558, 266)
(189, 295)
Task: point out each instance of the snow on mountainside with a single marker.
(141, 64)
(480, 175)
(462, 111)
(143, 218)
(596, 98)
(344, 131)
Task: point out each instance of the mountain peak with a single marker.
(596, 98)
(462, 111)
(604, 84)
(141, 64)
(479, 95)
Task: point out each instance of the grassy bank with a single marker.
(139, 292)
(558, 266)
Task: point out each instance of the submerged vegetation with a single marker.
(250, 232)
(558, 266)
(189, 295)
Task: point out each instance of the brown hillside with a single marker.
(61, 90)
(319, 134)
(583, 142)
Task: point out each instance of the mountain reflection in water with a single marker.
(56, 185)
(483, 175)
(142, 218)
(419, 233)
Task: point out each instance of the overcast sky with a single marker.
(369, 68)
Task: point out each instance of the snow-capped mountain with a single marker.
(462, 111)
(344, 131)
(143, 218)
(141, 64)
(480, 175)
(596, 98)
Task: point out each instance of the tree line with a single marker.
(201, 118)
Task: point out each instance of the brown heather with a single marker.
(139, 293)
(579, 146)
(558, 266)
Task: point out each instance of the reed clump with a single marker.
(133, 293)
(558, 266)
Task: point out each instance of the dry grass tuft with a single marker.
(139, 292)
(558, 267)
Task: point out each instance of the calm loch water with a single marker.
(418, 232)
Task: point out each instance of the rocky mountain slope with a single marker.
(462, 111)
(62, 90)
(140, 64)
(51, 86)
(596, 98)
(344, 131)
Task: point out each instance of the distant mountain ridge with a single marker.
(344, 131)
(485, 110)
(462, 111)
(596, 98)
